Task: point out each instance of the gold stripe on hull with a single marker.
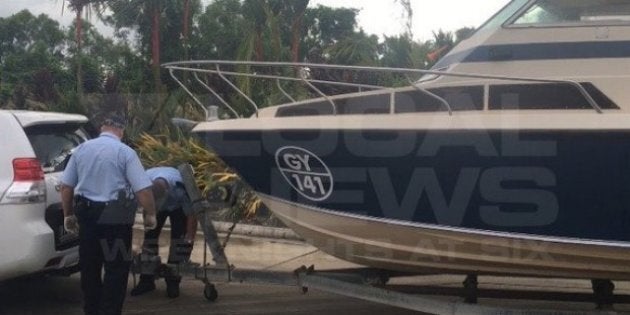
(417, 249)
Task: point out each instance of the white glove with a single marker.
(71, 224)
(150, 222)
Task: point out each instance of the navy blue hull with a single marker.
(571, 184)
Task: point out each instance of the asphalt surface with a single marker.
(62, 295)
(52, 295)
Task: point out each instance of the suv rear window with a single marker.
(53, 144)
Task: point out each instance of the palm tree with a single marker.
(185, 27)
(298, 9)
(79, 6)
(442, 43)
(144, 15)
(406, 4)
(357, 49)
(255, 11)
(155, 43)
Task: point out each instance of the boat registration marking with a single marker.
(305, 172)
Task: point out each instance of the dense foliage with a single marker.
(44, 66)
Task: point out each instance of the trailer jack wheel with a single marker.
(210, 292)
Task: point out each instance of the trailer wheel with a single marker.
(210, 292)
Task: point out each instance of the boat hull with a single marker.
(401, 246)
(520, 202)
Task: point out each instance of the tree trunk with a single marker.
(155, 63)
(186, 19)
(296, 28)
(79, 56)
(185, 28)
(295, 38)
(259, 47)
(155, 48)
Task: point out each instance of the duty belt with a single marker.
(93, 204)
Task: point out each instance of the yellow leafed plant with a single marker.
(209, 170)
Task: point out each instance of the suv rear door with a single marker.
(53, 138)
(13, 145)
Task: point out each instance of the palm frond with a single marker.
(209, 170)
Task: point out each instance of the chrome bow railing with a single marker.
(301, 73)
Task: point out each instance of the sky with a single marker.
(379, 17)
(387, 17)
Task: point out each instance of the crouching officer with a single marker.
(173, 203)
(106, 181)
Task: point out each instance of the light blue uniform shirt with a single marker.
(101, 167)
(176, 196)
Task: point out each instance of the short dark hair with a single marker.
(160, 187)
(115, 120)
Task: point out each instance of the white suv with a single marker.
(34, 148)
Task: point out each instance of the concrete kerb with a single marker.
(242, 229)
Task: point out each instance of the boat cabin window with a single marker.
(459, 98)
(546, 96)
(308, 109)
(574, 12)
(356, 105)
(369, 104)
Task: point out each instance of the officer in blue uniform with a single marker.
(101, 187)
(172, 203)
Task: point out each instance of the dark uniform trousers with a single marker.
(103, 244)
(179, 250)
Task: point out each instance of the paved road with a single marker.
(53, 295)
(61, 295)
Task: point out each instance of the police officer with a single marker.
(101, 187)
(173, 203)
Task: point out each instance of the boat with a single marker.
(511, 156)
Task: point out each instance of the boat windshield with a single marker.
(574, 12)
(503, 16)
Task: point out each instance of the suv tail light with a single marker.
(28, 184)
(25, 170)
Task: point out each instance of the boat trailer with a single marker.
(368, 283)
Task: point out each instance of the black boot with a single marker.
(172, 286)
(145, 285)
